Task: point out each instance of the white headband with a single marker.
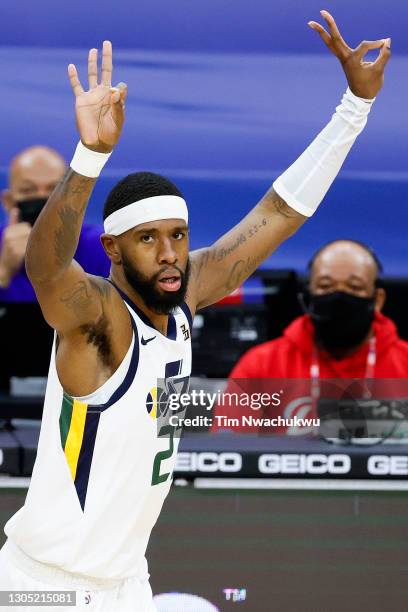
(143, 211)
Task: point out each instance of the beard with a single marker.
(158, 301)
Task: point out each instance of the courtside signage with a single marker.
(350, 464)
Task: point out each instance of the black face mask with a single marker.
(30, 209)
(341, 320)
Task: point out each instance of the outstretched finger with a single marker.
(320, 30)
(384, 55)
(74, 80)
(107, 63)
(337, 39)
(93, 68)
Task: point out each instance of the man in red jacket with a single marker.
(343, 335)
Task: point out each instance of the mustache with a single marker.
(168, 270)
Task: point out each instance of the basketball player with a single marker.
(103, 468)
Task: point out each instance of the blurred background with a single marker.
(223, 96)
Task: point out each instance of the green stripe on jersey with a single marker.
(65, 418)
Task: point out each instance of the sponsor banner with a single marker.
(268, 457)
(348, 464)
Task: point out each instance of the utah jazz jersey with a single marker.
(104, 463)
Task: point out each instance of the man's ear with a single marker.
(380, 297)
(111, 248)
(7, 200)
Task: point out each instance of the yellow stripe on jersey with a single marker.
(75, 435)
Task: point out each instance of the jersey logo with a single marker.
(159, 407)
(186, 331)
(144, 342)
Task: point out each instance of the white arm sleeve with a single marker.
(304, 185)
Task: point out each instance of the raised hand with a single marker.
(100, 110)
(365, 79)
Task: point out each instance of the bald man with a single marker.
(342, 335)
(33, 175)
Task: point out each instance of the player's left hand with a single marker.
(365, 79)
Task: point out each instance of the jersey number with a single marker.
(158, 478)
(170, 385)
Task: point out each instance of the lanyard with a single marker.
(369, 371)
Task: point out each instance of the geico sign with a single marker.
(304, 464)
(208, 462)
(388, 465)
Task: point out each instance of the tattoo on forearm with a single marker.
(60, 223)
(66, 235)
(279, 205)
(260, 234)
(222, 252)
(242, 268)
(253, 231)
(73, 184)
(81, 188)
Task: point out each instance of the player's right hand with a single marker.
(100, 110)
(365, 79)
(14, 244)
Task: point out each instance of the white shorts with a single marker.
(21, 573)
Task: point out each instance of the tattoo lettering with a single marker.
(243, 268)
(255, 228)
(222, 252)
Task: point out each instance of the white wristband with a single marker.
(304, 185)
(88, 163)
